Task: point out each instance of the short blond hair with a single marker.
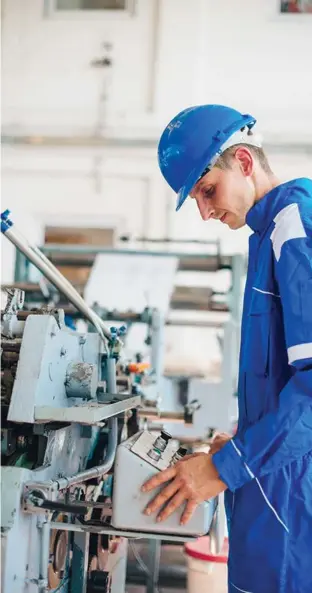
(226, 158)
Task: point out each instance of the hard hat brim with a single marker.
(191, 181)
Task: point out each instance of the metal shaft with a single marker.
(44, 555)
(36, 257)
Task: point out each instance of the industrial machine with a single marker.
(66, 450)
(178, 394)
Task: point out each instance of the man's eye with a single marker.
(209, 192)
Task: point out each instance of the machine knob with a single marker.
(162, 441)
(154, 454)
(179, 454)
(165, 435)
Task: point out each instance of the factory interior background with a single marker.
(87, 88)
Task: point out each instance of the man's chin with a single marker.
(233, 224)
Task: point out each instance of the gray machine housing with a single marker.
(133, 467)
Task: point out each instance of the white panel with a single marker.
(131, 281)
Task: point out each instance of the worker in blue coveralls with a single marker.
(211, 154)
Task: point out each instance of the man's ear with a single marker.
(245, 160)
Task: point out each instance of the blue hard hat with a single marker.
(192, 142)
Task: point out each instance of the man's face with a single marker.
(227, 195)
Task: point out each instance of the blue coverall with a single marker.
(267, 466)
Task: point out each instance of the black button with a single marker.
(165, 435)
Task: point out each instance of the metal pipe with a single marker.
(214, 242)
(99, 470)
(111, 375)
(42, 263)
(44, 554)
(158, 344)
(74, 249)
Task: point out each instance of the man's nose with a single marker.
(206, 210)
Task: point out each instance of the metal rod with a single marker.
(158, 344)
(99, 470)
(215, 243)
(111, 375)
(94, 250)
(109, 530)
(41, 262)
(130, 316)
(44, 553)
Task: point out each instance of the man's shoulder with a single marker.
(295, 204)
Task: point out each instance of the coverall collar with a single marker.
(263, 212)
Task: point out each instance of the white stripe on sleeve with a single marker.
(288, 225)
(299, 352)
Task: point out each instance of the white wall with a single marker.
(169, 54)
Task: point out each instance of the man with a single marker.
(211, 154)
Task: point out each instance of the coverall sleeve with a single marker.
(284, 435)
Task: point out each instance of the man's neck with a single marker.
(264, 184)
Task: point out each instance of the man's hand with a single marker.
(218, 442)
(193, 480)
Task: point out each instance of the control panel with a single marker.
(138, 459)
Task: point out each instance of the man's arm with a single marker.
(284, 435)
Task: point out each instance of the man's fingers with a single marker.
(218, 442)
(162, 497)
(188, 512)
(218, 439)
(221, 437)
(159, 479)
(174, 504)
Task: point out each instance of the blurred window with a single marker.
(296, 6)
(91, 4)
